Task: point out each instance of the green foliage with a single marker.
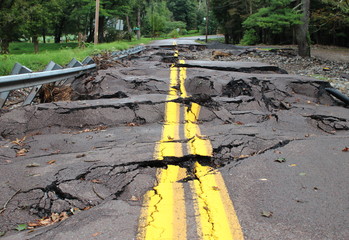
(21, 227)
(184, 11)
(173, 34)
(250, 37)
(157, 16)
(275, 18)
(169, 26)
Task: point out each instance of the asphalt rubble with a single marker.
(84, 163)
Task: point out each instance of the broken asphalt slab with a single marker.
(95, 154)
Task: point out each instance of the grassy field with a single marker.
(59, 53)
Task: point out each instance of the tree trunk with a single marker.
(5, 46)
(101, 29)
(302, 31)
(36, 44)
(139, 23)
(129, 28)
(44, 35)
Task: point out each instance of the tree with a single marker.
(11, 20)
(184, 11)
(270, 21)
(37, 17)
(302, 31)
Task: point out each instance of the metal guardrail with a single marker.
(23, 77)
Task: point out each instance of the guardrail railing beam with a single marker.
(17, 69)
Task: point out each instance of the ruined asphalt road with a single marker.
(278, 141)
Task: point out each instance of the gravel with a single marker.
(335, 72)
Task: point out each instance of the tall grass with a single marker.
(59, 53)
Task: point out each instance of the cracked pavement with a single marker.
(94, 156)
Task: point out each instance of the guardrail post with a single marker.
(51, 66)
(17, 69)
(74, 63)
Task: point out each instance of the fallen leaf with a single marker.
(87, 208)
(215, 188)
(96, 234)
(51, 162)
(75, 210)
(131, 124)
(302, 174)
(80, 155)
(263, 179)
(277, 152)
(21, 152)
(96, 181)
(34, 175)
(19, 142)
(170, 138)
(134, 198)
(346, 149)
(239, 123)
(56, 152)
(8, 161)
(21, 227)
(292, 165)
(33, 165)
(267, 214)
(244, 156)
(280, 160)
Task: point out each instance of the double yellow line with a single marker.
(164, 213)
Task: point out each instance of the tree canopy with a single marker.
(241, 21)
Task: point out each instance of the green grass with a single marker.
(59, 53)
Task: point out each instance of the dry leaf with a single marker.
(96, 234)
(170, 138)
(346, 149)
(215, 188)
(134, 198)
(239, 123)
(21, 152)
(263, 179)
(33, 165)
(51, 162)
(267, 214)
(80, 155)
(280, 160)
(56, 152)
(96, 181)
(292, 165)
(19, 142)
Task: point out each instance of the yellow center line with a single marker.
(163, 214)
(216, 214)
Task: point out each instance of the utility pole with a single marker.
(207, 17)
(96, 23)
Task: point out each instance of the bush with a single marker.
(170, 26)
(173, 34)
(250, 37)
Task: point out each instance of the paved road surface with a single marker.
(193, 150)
